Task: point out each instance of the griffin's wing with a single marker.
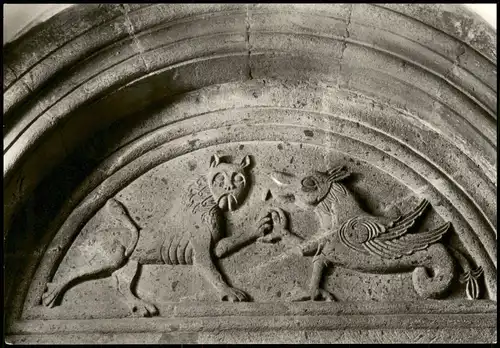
(407, 244)
(401, 225)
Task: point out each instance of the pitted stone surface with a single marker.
(251, 173)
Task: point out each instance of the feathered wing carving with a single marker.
(391, 240)
(402, 224)
(406, 244)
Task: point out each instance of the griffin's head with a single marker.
(228, 182)
(305, 191)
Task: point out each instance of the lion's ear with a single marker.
(214, 161)
(245, 162)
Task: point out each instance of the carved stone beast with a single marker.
(354, 239)
(193, 235)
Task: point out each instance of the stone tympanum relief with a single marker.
(355, 239)
(130, 193)
(142, 235)
(121, 251)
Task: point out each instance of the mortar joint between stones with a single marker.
(132, 33)
(247, 41)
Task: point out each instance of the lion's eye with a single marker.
(238, 179)
(218, 179)
(309, 184)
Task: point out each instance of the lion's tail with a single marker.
(119, 212)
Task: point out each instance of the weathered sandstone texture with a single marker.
(251, 173)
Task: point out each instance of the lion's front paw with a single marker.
(276, 221)
(271, 238)
(233, 295)
(264, 225)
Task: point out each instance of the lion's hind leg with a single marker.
(107, 257)
(125, 277)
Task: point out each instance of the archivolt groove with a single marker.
(157, 69)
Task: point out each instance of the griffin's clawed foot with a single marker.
(316, 295)
(140, 308)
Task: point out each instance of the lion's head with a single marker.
(228, 182)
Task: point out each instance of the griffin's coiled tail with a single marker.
(442, 267)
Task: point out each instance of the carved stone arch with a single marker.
(131, 101)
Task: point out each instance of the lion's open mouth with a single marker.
(228, 201)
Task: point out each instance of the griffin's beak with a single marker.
(267, 195)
